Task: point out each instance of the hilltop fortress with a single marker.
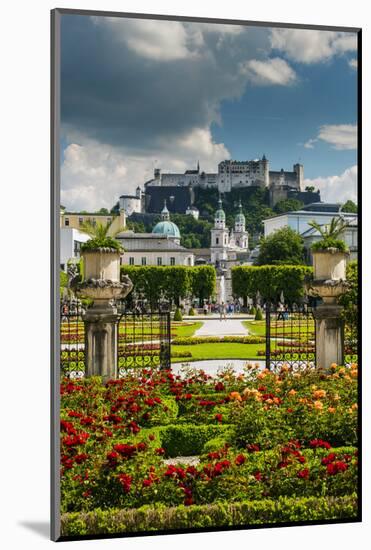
(178, 189)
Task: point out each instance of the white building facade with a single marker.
(161, 247)
(70, 245)
(299, 220)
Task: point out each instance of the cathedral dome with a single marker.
(167, 228)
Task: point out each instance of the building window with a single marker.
(66, 222)
(81, 221)
(109, 220)
(76, 248)
(159, 261)
(131, 260)
(172, 261)
(144, 261)
(217, 240)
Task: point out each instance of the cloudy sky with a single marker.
(139, 94)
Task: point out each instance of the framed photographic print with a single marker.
(205, 303)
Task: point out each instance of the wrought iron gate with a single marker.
(72, 336)
(290, 336)
(143, 340)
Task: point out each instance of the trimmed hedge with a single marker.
(270, 281)
(219, 514)
(172, 282)
(189, 439)
(178, 315)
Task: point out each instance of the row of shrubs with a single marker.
(194, 340)
(218, 514)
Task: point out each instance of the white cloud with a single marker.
(94, 175)
(272, 71)
(157, 40)
(312, 46)
(337, 188)
(340, 136)
(164, 40)
(353, 63)
(310, 143)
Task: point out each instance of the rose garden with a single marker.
(150, 441)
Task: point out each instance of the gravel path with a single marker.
(227, 327)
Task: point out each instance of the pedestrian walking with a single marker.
(222, 311)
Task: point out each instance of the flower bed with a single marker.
(261, 437)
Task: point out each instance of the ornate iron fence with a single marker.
(351, 342)
(72, 339)
(290, 336)
(143, 340)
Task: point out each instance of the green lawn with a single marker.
(223, 350)
(185, 329)
(257, 328)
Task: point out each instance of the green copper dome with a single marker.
(220, 214)
(240, 218)
(166, 228)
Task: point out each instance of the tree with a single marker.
(288, 205)
(103, 211)
(349, 206)
(349, 300)
(310, 188)
(270, 281)
(203, 280)
(284, 246)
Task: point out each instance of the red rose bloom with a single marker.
(336, 467)
(240, 459)
(303, 474)
(125, 481)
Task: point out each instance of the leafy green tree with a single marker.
(270, 281)
(284, 246)
(203, 282)
(310, 188)
(349, 206)
(349, 300)
(288, 205)
(177, 283)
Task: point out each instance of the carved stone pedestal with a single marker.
(329, 335)
(101, 343)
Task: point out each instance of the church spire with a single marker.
(165, 214)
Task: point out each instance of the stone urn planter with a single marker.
(102, 284)
(329, 264)
(329, 283)
(102, 278)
